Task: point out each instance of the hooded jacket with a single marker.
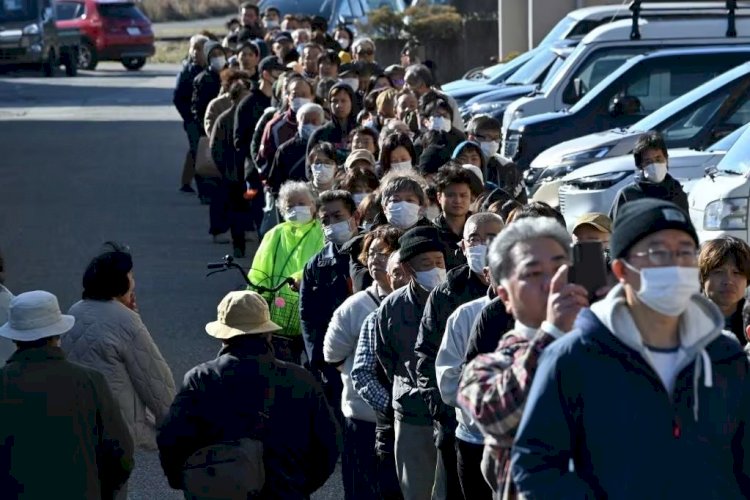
(280, 129)
(599, 422)
(337, 130)
(669, 189)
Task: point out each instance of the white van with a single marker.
(719, 202)
(604, 50)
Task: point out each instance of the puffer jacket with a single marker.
(112, 339)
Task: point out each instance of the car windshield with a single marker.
(737, 158)
(120, 11)
(726, 142)
(17, 10)
(510, 67)
(530, 72)
(560, 31)
(358, 8)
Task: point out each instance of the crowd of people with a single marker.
(426, 329)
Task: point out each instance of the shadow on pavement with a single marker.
(51, 94)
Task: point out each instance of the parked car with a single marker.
(574, 26)
(604, 50)
(694, 120)
(593, 188)
(719, 201)
(335, 11)
(29, 36)
(545, 63)
(636, 89)
(112, 30)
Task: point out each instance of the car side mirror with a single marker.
(624, 105)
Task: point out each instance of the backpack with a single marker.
(231, 469)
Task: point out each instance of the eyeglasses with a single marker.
(378, 255)
(661, 257)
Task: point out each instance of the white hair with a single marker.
(363, 41)
(311, 109)
(290, 188)
(296, 33)
(482, 218)
(500, 254)
(197, 39)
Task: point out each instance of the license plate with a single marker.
(134, 31)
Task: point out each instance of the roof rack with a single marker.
(729, 6)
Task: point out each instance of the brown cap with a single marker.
(359, 154)
(241, 313)
(600, 221)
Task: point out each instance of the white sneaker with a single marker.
(223, 238)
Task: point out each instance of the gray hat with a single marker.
(209, 46)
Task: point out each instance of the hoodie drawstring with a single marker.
(701, 362)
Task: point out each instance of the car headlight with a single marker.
(598, 182)
(729, 213)
(587, 156)
(488, 107)
(31, 29)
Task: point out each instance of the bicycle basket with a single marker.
(284, 308)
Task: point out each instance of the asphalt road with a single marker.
(95, 158)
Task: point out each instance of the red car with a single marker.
(111, 30)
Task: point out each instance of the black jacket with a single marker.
(325, 286)
(62, 432)
(396, 331)
(669, 189)
(493, 322)
(206, 87)
(220, 400)
(358, 272)
(257, 140)
(461, 286)
(226, 158)
(453, 256)
(736, 324)
(248, 113)
(337, 133)
(183, 91)
(288, 163)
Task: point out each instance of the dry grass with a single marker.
(179, 10)
(169, 52)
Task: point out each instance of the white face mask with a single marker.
(655, 172)
(218, 63)
(344, 42)
(306, 129)
(352, 82)
(489, 148)
(402, 214)
(270, 23)
(298, 102)
(358, 197)
(439, 123)
(401, 165)
(300, 214)
(322, 173)
(667, 290)
(476, 256)
(339, 233)
(430, 279)
(432, 212)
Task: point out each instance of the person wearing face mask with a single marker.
(284, 126)
(397, 153)
(437, 139)
(397, 327)
(527, 263)
(343, 120)
(321, 168)
(681, 384)
(283, 253)
(498, 170)
(344, 38)
(271, 18)
(289, 162)
(359, 467)
(463, 284)
(652, 179)
(359, 182)
(326, 285)
(420, 80)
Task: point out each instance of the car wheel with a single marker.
(134, 63)
(48, 66)
(87, 58)
(70, 61)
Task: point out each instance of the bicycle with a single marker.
(282, 303)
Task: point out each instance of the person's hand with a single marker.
(565, 300)
(295, 286)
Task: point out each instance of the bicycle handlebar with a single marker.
(228, 263)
